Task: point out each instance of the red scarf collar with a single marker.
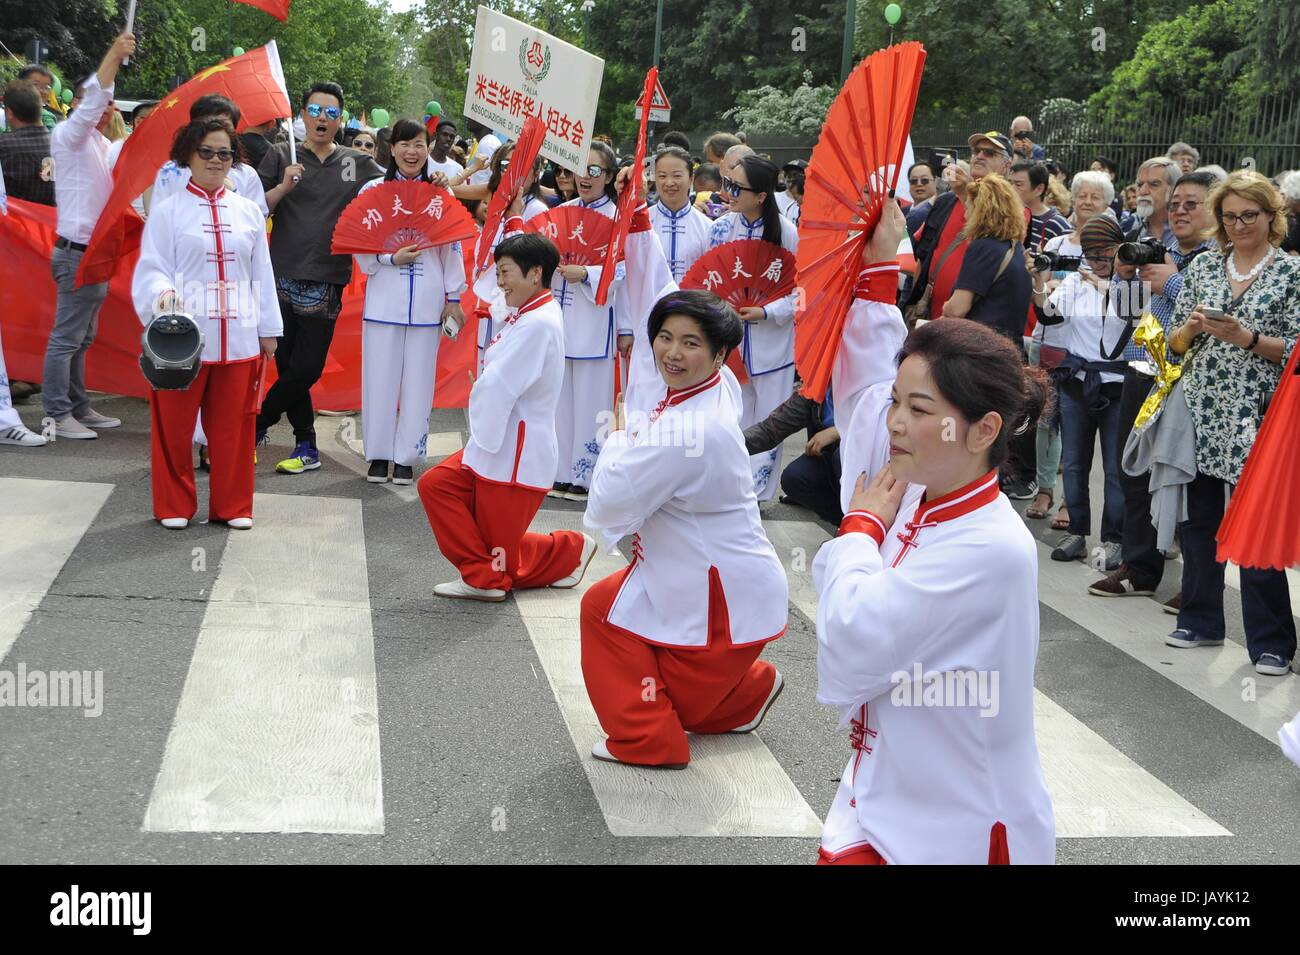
(203, 193)
(672, 398)
(958, 503)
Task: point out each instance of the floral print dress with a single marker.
(1224, 383)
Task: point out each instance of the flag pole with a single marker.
(130, 24)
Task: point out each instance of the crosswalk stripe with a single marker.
(1096, 789)
(44, 522)
(277, 729)
(340, 439)
(733, 786)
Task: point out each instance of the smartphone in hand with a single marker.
(1213, 314)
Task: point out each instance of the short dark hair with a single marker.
(675, 137)
(530, 250)
(139, 108)
(329, 89)
(1108, 164)
(214, 104)
(403, 130)
(190, 136)
(675, 152)
(921, 162)
(23, 101)
(1037, 173)
(1207, 179)
(31, 68)
(979, 371)
(709, 172)
(717, 320)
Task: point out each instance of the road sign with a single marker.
(660, 108)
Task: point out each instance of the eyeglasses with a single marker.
(315, 109)
(362, 144)
(207, 154)
(1100, 255)
(1246, 218)
(734, 188)
(988, 152)
(596, 170)
(921, 182)
(1185, 206)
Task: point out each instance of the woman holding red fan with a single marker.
(412, 296)
(768, 348)
(204, 251)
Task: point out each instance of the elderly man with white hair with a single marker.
(1022, 140)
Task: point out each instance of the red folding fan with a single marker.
(522, 160)
(1262, 526)
(398, 213)
(630, 198)
(581, 235)
(855, 164)
(747, 272)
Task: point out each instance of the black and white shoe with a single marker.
(576, 493)
(1019, 490)
(378, 473)
(558, 490)
(21, 437)
(402, 474)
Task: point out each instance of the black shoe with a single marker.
(378, 473)
(402, 474)
(574, 492)
(1019, 490)
(204, 464)
(559, 490)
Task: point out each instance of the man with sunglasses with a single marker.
(306, 199)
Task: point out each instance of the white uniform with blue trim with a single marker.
(590, 350)
(767, 349)
(684, 235)
(400, 331)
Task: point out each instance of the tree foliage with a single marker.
(771, 110)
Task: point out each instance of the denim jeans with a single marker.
(1079, 430)
(814, 483)
(1265, 597)
(1048, 438)
(76, 319)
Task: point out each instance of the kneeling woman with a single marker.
(927, 627)
(409, 295)
(705, 590)
(204, 251)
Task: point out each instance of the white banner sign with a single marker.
(517, 71)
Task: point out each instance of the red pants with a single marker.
(649, 697)
(224, 393)
(863, 855)
(482, 528)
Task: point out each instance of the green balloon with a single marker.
(238, 51)
(893, 13)
(58, 86)
(66, 95)
(346, 116)
(433, 108)
(379, 118)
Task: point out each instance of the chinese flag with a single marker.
(277, 8)
(254, 80)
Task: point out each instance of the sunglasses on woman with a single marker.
(331, 112)
(207, 154)
(362, 144)
(596, 170)
(734, 188)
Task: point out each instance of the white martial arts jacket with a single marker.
(768, 345)
(243, 178)
(648, 280)
(513, 401)
(413, 294)
(927, 638)
(590, 329)
(684, 235)
(212, 251)
(491, 304)
(680, 480)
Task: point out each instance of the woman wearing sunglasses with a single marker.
(768, 348)
(589, 339)
(204, 252)
(365, 141)
(566, 184)
(412, 296)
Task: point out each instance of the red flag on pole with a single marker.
(522, 159)
(253, 80)
(630, 197)
(277, 8)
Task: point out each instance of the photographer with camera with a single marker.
(1149, 278)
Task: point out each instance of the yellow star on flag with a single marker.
(219, 68)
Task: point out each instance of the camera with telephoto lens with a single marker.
(1053, 262)
(1148, 251)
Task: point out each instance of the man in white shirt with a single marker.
(444, 137)
(488, 143)
(81, 187)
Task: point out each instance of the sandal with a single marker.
(1036, 513)
(1061, 522)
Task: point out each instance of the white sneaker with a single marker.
(175, 523)
(459, 590)
(70, 427)
(21, 437)
(575, 578)
(240, 523)
(93, 419)
(752, 725)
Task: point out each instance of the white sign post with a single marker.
(660, 108)
(517, 71)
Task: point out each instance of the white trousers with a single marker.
(762, 395)
(582, 417)
(8, 416)
(398, 367)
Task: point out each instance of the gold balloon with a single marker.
(1151, 336)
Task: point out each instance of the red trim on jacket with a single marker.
(219, 256)
(519, 451)
(672, 398)
(864, 522)
(878, 282)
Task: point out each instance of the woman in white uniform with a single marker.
(670, 645)
(594, 337)
(927, 627)
(409, 294)
(683, 230)
(768, 348)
